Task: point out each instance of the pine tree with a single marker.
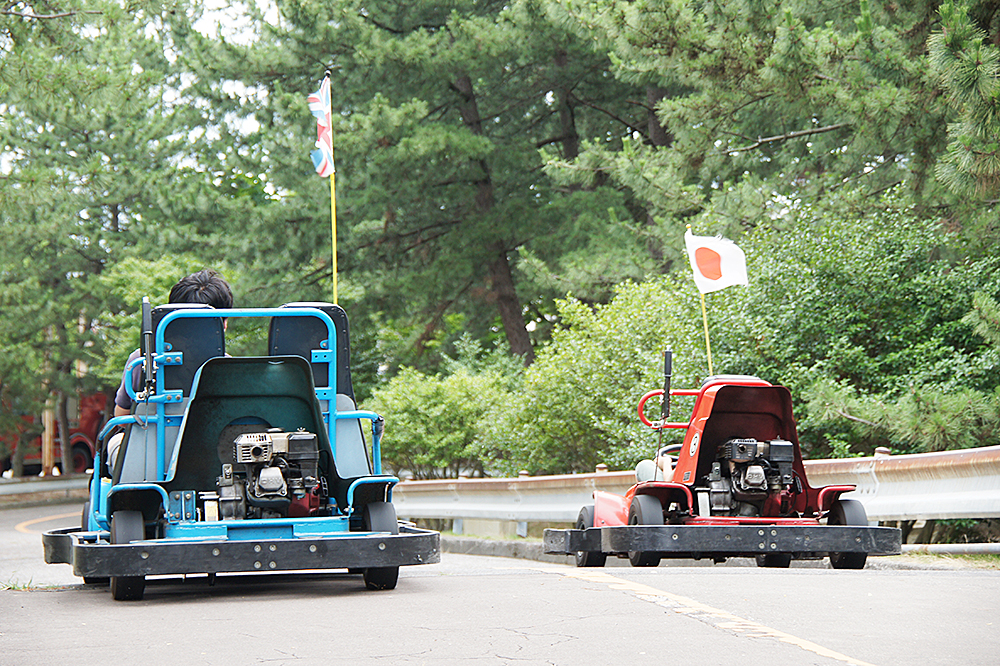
(968, 62)
(97, 167)
(772, 101)
(446, 218)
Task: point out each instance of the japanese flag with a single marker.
(717, 263)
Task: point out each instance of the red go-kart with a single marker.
(736, 487)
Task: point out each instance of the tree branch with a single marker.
(855, 418)
(624, 122)
(786, 137)
(5, 12)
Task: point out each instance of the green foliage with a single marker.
(872, 293)
(439, 114)
(433, 423)
(968, 64)
(778, 91)
(985, 318)
(857, 308)
(577, 405)
(860, 309)
(496, 156)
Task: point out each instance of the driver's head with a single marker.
(206, 287)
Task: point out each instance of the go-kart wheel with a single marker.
(645, 510)
(85, 526)
(588, 558)
(847, 512)
(380, 517)
(127, 526)
(774, 560)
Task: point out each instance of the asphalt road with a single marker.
(484, 610)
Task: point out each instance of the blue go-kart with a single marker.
(233, 465)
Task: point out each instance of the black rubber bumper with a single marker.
(92, 556)
(698, 541)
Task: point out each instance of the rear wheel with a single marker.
(775, 560)
(380, 517)
(645, 510)
(85, 526)
(127, 526)
(588, 558)
(847, 512)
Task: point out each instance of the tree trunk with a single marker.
(502, 283)
(658, 135)
(567, 116)
(62, 425)
(24, 440)
(501, 279)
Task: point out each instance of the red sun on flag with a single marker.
(709, 262)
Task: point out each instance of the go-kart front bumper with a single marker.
(91, 554)
(697, 541)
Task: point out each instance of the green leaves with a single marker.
(968, 64)
(433, 424)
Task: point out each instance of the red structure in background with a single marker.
(86, 415)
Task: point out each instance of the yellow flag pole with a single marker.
(333, 225)
(708, 346)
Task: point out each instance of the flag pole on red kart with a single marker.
(717, 263)
(322, 157)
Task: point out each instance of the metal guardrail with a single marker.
(924, 486)
(27, 487)
(952, 484)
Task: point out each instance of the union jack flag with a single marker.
(319, 104)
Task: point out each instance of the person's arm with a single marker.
(122, 396)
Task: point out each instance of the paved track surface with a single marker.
(486, 610)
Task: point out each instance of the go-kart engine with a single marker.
(273, 474)
(746, 471)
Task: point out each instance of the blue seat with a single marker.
(298, 336)
(198, 339)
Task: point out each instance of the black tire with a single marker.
(85, 525)
(81, 460)
(127, 526)
(380, 517)
(774, 560)
(847, 512)
(588, 558)
(645, 510)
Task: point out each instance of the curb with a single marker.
(522, 550)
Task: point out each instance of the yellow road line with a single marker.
(699, 611)
(23, 527)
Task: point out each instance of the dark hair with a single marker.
(206, 287)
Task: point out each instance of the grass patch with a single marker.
(958, 561)
(17, 587)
